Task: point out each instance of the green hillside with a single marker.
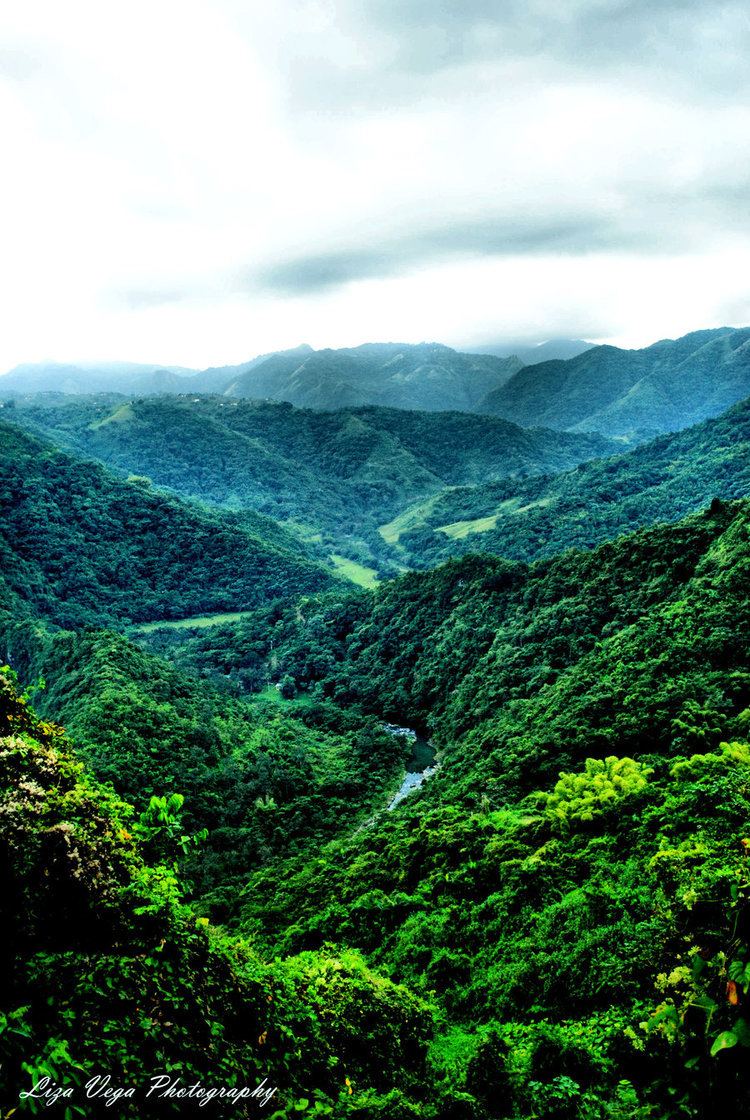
(109, 975)
(573, 883)
(660, 481)
(80, 547)
(264, 778)
(569, 890)
(338, 474)
(214, 873)
(662, 388)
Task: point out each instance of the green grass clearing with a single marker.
(271, 695)
(411, 518)
(460, 529)
(121, 415)
(351, 570)
(199, 622)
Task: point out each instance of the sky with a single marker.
(199, 181)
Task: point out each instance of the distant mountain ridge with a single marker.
(94, 377)
(664, 387)
(426, 376)
(636, 394)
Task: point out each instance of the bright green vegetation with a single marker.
(555, 926)
(80, 547)
(661, 388)
(122, 415)
(356, 573)
(570, 890)
(459, 530)
(341, 475)
(199, 622)
(108, 970)
(573, 880)
(408, 519)
(264, 778)
(659, 481)
(387, 489)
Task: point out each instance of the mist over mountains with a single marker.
(634, 394)
(427, 376)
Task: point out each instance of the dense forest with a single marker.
(333, 478)
(661, 480)
(212, 870)
(389, 489)
(80, 547)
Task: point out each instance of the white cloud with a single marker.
(162, 159)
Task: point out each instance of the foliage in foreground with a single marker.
(108, 971)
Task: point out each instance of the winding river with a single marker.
(421, 766)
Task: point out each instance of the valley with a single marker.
(405, 752)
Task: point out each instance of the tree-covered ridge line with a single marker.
(661, 388)
(558, 920)
(572, 886)
(80, 546)
(443, 650)
(497, 910)
(336, 477)
(423, 376)
(359, 479)
(668, 385)
(662, 480)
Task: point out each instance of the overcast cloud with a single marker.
(195, 182)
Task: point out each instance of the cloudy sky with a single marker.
(201, 180)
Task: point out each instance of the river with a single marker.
(420, 766)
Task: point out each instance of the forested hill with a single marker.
(546, 929)
(527, 519)
(661, 388)
(584, 925)
(343, 472)
(427, 376)
(572, 884)
(79, 546)
(109, 975)
(464, 643)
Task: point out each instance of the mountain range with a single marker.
(340, 473)
(660, 388)
(216, 871)
(621, 393)
(427, 376)
(554, 348)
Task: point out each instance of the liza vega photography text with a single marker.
(103, 1089)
